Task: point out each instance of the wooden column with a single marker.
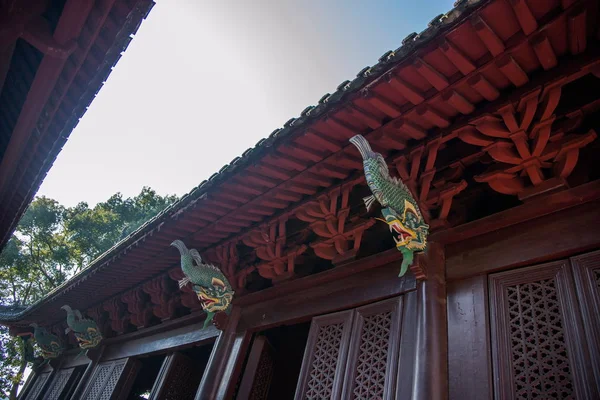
(225, 361)
(431, 362)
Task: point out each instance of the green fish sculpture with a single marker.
(49, 344)
(400, 209)
(210, 284)
(86, 330)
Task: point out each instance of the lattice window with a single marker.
(373, 354)
(597, 276)
(262, 379)
(182, 384)
(59, 383)
(539, 355)
(372, 357)
(99, 380)
(322, 372)
(38, 385)
(112, 381)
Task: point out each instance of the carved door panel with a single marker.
(59, 382)
(586, 269)
(373, 351)
(38, 386)
(322, 372)
(258, 373)
(176, 379)
(537, 335)
(112, 380)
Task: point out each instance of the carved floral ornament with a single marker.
(532, 153)
(340, 235)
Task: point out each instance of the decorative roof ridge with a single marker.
(366, 77)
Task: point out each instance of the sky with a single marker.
(204, 80)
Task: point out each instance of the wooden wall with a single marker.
(469, 264)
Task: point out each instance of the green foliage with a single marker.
(51, 244)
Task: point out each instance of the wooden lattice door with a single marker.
(258, 374)
(538, 342)
(59, 382)
(354, 354)
(38, 386)
(176, 380)
(373, 351)
(586, 269)
(321, 376)
(112, 380)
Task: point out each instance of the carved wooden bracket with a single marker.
(342, 238)
(419, 267)
(270, 245)
(98, 314)
(226, 257)
(533, 155)
(162, 294)
(433, 189)
(187, 296)
(117, 314)
(59, 330)
(137, 305)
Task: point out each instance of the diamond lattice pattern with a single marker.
(100, 378)
(539, 356)
(112, 382)
(38, 386)
(327, 350)
(59, 384)
(369, 380)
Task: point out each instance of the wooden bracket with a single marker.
(341, 239)
(161, 291)
(419, 267)
(186, 295)
(270, 244)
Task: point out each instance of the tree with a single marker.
(52, 243)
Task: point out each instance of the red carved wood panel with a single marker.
(586, 269)
(373, 355)
(58, 383)
(321, 375)
(258, 373)
(536, 334)
(38, 386)
(111, 380)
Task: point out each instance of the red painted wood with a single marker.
(69, 25)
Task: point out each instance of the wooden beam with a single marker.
(546, 205)
(576, 230)
(320, 296)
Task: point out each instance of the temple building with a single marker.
(474, 143)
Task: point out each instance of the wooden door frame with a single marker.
(349, 286)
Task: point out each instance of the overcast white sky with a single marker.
(203, 80)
